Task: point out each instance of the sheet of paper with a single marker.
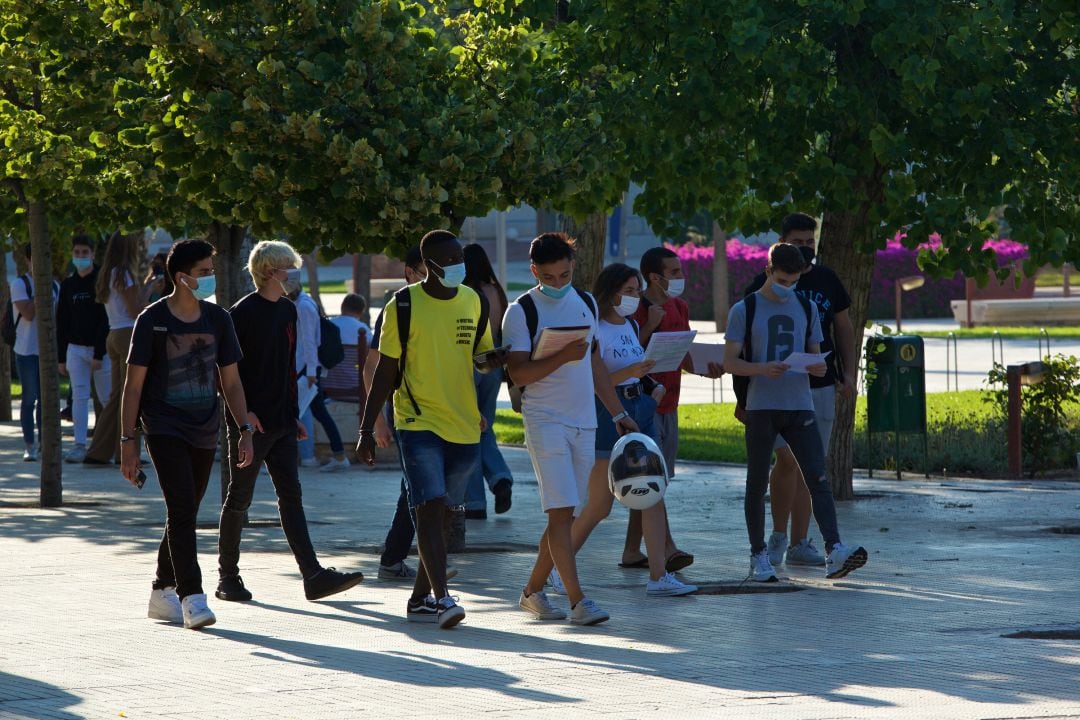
(669, 349)
(799, 361)
(304, 394)
(701, 354)
(553, 339)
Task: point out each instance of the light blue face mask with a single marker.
(452, 275)
(82, 263)
(205, 288)
(556, 293)
(782, 291)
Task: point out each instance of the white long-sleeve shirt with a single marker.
(308, 335)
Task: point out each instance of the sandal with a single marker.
(678, 561)
(637, 564)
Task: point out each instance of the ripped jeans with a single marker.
(799, 429)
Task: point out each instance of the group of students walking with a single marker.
(439, 352)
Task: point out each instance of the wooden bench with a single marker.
(1034, 311)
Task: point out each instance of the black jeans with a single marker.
(399, 538)
(799, 429)
(278, 449)
(183, 471)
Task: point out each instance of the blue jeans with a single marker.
(799, 429)
(30, 410)
(318, 411)
(493, 467)
(641, 408)
(435, 468)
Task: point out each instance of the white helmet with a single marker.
(637, 473)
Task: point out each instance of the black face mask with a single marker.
(807, 253)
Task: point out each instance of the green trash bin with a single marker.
(896, 395)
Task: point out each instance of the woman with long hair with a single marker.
(124, 297)
(480, 276)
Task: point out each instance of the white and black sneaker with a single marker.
(842, 560)
(450, 613)
(424, 611)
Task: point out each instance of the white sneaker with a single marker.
(557, 588)
(196, 613)
(761, 570)
(76, 455)
(668, 586)
(30, 454)
(336, 465)
(587, 612)
(842, 560)
(776, 547)
(165, 605)
(805, 554)
(540, 607)
(311, 462)
(450, 613)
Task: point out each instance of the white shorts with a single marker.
(824, 413)
(562, 458)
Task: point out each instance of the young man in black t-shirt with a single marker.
(787, 490)
(182, 349)
(265, 323)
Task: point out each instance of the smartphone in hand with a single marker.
(140, 479)
(485, 362)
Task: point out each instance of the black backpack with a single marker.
(403, 300)
(331, 351)
(741, 383)
(10, 321)
(532, 322)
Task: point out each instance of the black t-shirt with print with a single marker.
(823, 287)
(267, 335)
(180, 394)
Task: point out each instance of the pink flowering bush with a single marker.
(933, 299)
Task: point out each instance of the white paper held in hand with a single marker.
(800, 361)
(554, 339)
(304, 394)
(669, 349)
(701, 354)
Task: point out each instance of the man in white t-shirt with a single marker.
(559, 415)
(351, 322)
(26, 358)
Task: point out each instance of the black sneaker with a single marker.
(450, 613)
(503, 491)
(329, 581)
(425, 611)
(231, 588)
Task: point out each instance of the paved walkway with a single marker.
(918, 633)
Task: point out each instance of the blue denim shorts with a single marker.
(641, 408)
(435, 468)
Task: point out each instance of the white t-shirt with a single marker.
(619, 347)
(566, 395)
(26, 334)
(350, 329)
(115, 307)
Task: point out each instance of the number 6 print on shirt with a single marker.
(781, 337)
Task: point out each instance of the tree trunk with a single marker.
(720, 280)
(591, 234)
(229, 263)
(844, 238)
(5, 351)
(311, 264)
(362, 281)
(52, 487)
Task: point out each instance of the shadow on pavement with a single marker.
(22, 697)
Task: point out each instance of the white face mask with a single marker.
(628, 305)
(675, 287)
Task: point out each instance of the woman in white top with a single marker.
(124, 297)
(618, 292)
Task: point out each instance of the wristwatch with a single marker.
(620, 416)
(247, 427)
(128, 438)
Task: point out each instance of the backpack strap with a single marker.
(809, 317)
(403, 308)
(750, 301)
(532, 317)
(588, 300)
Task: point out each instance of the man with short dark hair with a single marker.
(778, 402)
(435, 411)
(789, 497)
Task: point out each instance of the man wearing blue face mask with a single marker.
(778, 402)
(429, 359)
(81, 329)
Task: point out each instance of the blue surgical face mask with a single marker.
(82, 263)
(556, 293)
(452, 275)
(783, 292)
(205, 287)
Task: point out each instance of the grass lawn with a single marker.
(965, 436)
(1054, 277)
(1006, 332)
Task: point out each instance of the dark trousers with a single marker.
(799, 429)
(183, 471)
(399, 538)
(278, 449)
